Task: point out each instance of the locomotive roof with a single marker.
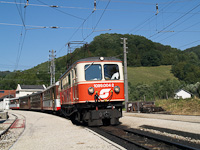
(92, 59)
(98, 59)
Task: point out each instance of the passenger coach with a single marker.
(92, 91)
(51, 98)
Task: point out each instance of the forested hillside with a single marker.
(188, 67)
(141, 52)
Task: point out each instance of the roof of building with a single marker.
(8, 96)
(32, 87)
(7, 92)
(183, 90)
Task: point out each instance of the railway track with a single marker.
(5, 131)
(136, 139)
(12, 132)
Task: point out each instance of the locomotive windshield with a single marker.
(111, 72)
(93, 72)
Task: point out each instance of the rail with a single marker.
(5, 131)
(142, 140)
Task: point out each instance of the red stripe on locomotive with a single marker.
(103, 89)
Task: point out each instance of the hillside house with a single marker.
(23, 90)
(182, 94)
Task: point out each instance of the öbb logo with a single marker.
(104, 93)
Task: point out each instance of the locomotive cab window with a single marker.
(111, 72)
(93, 72)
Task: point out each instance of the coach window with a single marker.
(69, 79)
(93, 72)
(111, 72)
(75, 74)
(61, 84)
(72, 73)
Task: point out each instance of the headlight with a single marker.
(91, 90)
(101, 58)
(116, 89)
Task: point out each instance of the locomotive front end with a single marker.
(92, 91)
(102, 91)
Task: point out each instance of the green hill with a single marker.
(142, 52)
(149, 75)
(195, 50)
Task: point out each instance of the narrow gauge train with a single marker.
(92, 91)
(47, 100)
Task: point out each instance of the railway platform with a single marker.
(186, 123)
(180, 127)
(46, 131)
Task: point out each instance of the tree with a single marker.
(152, 58)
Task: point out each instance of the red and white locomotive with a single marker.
(92, 91)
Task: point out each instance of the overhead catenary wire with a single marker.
(20, 14)
(55, 8)
(32, 27)
(151, 19)
(135, 29)
(183, 30)
(175, 21)
(22, 36)
(98, 21)
(169, 3)
(93, 28)
(20, 48)
(146, 3)
(75, 32)
(83, 8)
(189, 43)
(129, 2)
(124, 28)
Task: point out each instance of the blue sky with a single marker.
(26, 34)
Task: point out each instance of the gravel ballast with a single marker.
(179, 127)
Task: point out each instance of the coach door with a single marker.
(53, 99)
(74, 85)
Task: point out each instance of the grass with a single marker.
(148, 75)
(181, 106)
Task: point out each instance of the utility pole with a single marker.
(69, 47)
(125, 72)
(52, 67)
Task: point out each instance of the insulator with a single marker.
(54, 27)
(95, 5)
(157, 9)
(26, 4)
(54, 6)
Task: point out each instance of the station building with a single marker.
(23, 90)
